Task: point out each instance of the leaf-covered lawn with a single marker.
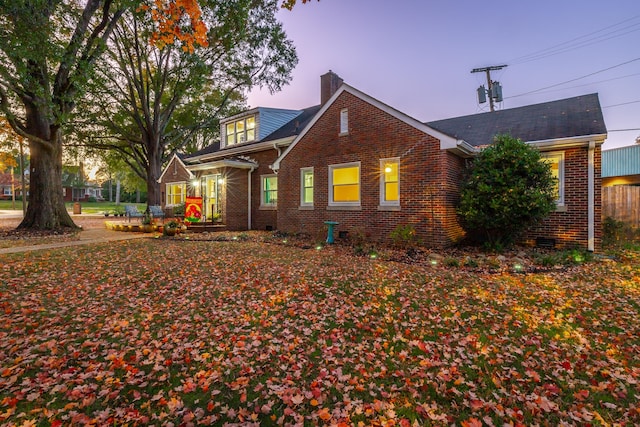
(175, 332)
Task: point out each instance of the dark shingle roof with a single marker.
(565, 118)
(206, 150)
(295, 126)
(292, 128)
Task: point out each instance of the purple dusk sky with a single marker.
(417, 55)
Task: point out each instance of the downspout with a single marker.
(249, 198)
(591, 197)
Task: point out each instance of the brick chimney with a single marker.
(329, 84)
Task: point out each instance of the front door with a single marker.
(212, 202)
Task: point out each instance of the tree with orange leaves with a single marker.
(47, 52)
(158, 92)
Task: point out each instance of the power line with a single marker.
(622, 130)
(577, 78)
(624, 103)
(577, 43)
(593, 83)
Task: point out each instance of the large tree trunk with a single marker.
(154, 170)
(46, 210)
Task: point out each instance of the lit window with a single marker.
(390, 182)
(344, 121)
(306, 187)
(243, 130)
(344, 184)
(556, 160)
(269, 190)
(176, 193)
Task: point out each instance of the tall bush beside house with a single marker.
(508, 188)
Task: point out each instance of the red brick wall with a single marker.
(233, 193)
(175, 172)
(429, 177)
(262, 218)
(234, 198)
(570, 227)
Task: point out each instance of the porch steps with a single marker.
(201, 227)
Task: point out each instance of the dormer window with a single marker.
(243, 130)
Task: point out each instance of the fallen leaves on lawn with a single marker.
(240, 333)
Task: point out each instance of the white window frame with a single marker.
(263, 179)
(330, 179)
(183, 196)
(383, 188)
(6, 191)
(244, 132)
(344, 121)
(559, 155)
(303, 172)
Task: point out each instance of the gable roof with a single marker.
(6, 180)
(621, 161)
(177, 158)
(566, 118)
(446, 141)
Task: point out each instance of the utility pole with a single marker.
(494, 92)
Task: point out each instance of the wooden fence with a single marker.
(622, 202)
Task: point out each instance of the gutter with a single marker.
(591, 197)
(583, 141)
(219, 164)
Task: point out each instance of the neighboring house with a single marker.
(76, 188)
(621, 184)
(621, 166)
(369, 167)
(8, 184)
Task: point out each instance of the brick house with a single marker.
(234, 176)
(8, 184)
(75, 188)
(370, 167)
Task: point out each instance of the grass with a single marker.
(87, 207)
(167, 331)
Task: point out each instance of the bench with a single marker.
(132, 212)
(156, 211)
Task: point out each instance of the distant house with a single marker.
(369, 167)
(621, 166)
(75, 187)
(8, 184)
(621, 184)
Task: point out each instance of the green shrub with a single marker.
(547, 260)
(404, 236)
(178, 210)
(619, 234)
(470, 262)
(507, 189)
(451, 262)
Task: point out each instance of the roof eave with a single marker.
(252, 148)
(175, 156)
(236, 164)
(570, 142)
(462, 148)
